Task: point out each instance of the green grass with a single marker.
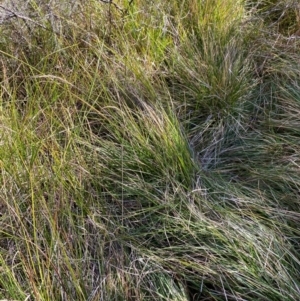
(150, 151)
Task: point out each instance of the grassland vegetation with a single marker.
(150, 150)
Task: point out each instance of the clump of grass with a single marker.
(149, 151)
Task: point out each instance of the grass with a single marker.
(150, 151)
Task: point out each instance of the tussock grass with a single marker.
(150, 151)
